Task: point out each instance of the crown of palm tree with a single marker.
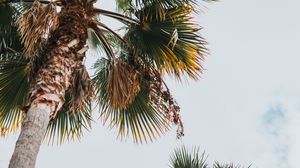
(160, 37)
(186, 158)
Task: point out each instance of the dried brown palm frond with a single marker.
(81, 88)
(35, 25)
(163, 95)
(123, 84)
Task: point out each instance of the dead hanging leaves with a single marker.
(163, 96)
(35, 25)
(81, 88)
(123, 84)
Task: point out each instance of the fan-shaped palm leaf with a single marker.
(227, 165)
(183, 158)
(69, 124)
(172, 44)
(13, 91)
(9, 39)
(143, 119)
(163, 4)
(13, 70)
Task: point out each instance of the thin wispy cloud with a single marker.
(274, 123)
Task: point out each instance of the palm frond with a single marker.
(123, 5)
(131, 5)
(164, 3)
(20, 7)
(99, 39)
(102, 38)
(123, 84)
(94, 43)
(122, 18)
(13, 69)
(13, 91)
(158, 8)
(34, 26)
(81, 88)
(171, 44)
(143, 118)
(227, 165)
(69, 124)
(185, 158)
(9, 39)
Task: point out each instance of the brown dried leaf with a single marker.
(35, 25)
(81, 88)
(123, 84)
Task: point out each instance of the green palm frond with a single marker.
(94, 42)
(9, 39)
(143, 119)
(171, 44)
(98, 38)
(20, 7)
(9, 36)
(164, 4)
(69, 124)
(13, 69)
(227, 165)
(123, 5)
(13, 91)
(103, 39)
(120, 17)
(185, 158)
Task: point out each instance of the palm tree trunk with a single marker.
(64, 53)
(46, 98)
(31, 136)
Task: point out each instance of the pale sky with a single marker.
(245, 109)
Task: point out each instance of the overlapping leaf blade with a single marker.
(171, 43)
(142, 119)
(69, 124)
(13, 90)
(124, 5)
(183, 158)
(13, 71)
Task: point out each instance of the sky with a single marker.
(245, 109)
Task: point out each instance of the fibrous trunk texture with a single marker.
(63, 55)
(32, 133)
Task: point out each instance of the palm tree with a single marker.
(185, 158)
(45, 86)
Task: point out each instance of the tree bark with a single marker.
(32, 133)
(64, 53)
(46, 99)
